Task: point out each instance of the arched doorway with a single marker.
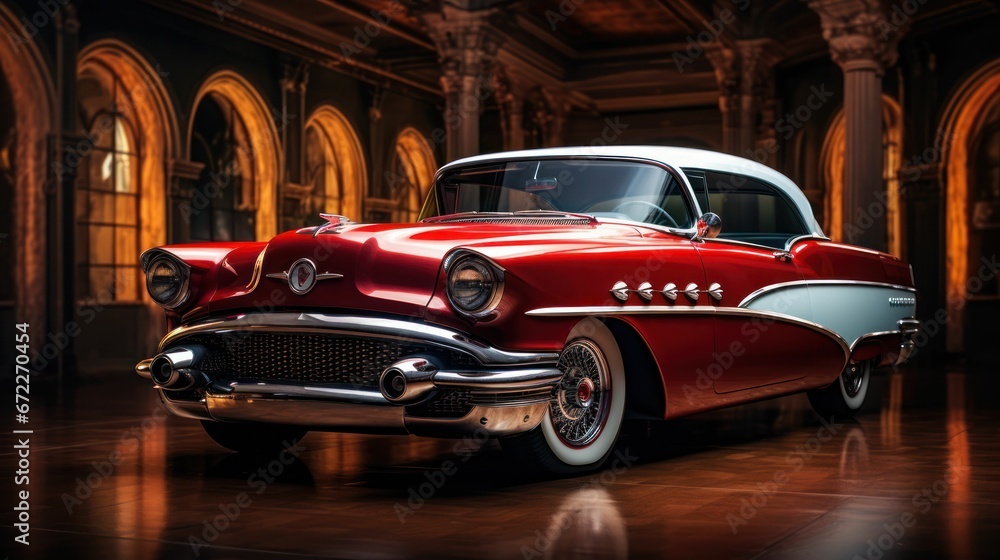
(131, 130)
(27, 104)
(971, 182)
(233, 135)
(336, 178)
(832, 157)
(413, 168)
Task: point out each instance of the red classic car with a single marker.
(543, 297)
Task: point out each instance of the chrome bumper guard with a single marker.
(509, 395)
(907, 329)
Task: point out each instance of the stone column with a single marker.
(63, 233)
(725, 62)
(863, 44)
(745, 74)
(293, 115)
(467, 46)
(510, 95)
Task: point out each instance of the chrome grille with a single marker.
(309, 358)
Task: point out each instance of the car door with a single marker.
(752, 348)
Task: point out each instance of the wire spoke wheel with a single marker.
(580, 404)
(853, 376)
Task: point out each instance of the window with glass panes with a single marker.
(107, 197)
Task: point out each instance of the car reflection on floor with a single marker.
(913, 476)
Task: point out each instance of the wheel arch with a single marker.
(646, 395)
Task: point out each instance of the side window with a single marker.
(752, 211)
(700, 187)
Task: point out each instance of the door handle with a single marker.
(783, 256)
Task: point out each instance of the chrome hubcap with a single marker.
(854, 376)
(580, 404)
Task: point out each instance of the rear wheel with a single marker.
(843, 398)
(585, 413)
(252, 438)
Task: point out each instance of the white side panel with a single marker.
(857, 310)
(793, 300)
(850, 309)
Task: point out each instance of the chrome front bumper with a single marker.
(506, 392)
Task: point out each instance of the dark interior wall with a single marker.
(696, 127)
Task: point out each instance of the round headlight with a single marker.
(472, 284)
(165, 282)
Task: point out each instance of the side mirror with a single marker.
(709, 226)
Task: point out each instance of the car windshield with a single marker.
(633, 191)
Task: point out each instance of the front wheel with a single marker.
(843, 398)
(252, 438)
(585, 412)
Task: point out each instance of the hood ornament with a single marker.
(333, 223)
(302, 276)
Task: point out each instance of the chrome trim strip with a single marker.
(782, 285)
(392, 329)
(686, 310)
(805, 237)
(517, 380)
(332, 392)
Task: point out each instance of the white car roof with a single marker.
(676, 158)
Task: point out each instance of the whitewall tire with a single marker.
(585, 413)
(844, 397)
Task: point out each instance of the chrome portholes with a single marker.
(670, 291)
(645, 291)
(715, 291)
(691, 291)
(580, 404)
(620, 291)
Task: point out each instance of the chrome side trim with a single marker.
(378, 327)
(605, 311)
(791, 242)
(782, 285)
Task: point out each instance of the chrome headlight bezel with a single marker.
(464, 260)
(183, 279)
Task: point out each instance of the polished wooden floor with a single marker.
(916, 476)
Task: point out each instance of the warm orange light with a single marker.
(417, 160)
(834, 154)
(349, 175)
(964, 115)
(33, 98)
(263, 139)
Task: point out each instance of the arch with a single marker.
(264, 157)
(140, 99)
(349, 173)
(34, 100)
(832, 161)
(960, 125)
(413, 168)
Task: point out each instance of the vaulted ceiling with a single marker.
(610, 55)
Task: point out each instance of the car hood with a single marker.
(386, 268)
